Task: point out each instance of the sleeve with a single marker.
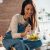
(14, 26)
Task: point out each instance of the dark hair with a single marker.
(34, 12)
(24, 4)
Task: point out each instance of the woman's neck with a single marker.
(25, 17)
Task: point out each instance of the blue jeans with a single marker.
(17, 44)
(33, 44)
(8, 42)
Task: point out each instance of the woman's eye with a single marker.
(28, 9)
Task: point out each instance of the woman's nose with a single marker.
(29, 11)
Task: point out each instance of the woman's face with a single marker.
(28, 10)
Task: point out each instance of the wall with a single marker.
(7, 9)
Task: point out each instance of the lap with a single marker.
(10, 42)
(33, 44)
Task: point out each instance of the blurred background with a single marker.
(7, 9)
(43, 17)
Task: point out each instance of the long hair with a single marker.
(26, 2)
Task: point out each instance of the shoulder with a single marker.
(16, 16)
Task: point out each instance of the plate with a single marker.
(33, 37)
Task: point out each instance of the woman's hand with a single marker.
(27, 31)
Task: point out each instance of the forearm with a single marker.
(18, 35)
(23, 34)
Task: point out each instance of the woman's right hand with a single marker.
(27, 31)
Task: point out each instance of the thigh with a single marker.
(18, 44)
(33, 44)
(8, 43)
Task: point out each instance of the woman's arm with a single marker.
(14, 27)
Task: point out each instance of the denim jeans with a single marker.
(33, 44)
(20, 44)
(8, 42)
(17, 44)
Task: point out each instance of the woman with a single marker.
(21, 25)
